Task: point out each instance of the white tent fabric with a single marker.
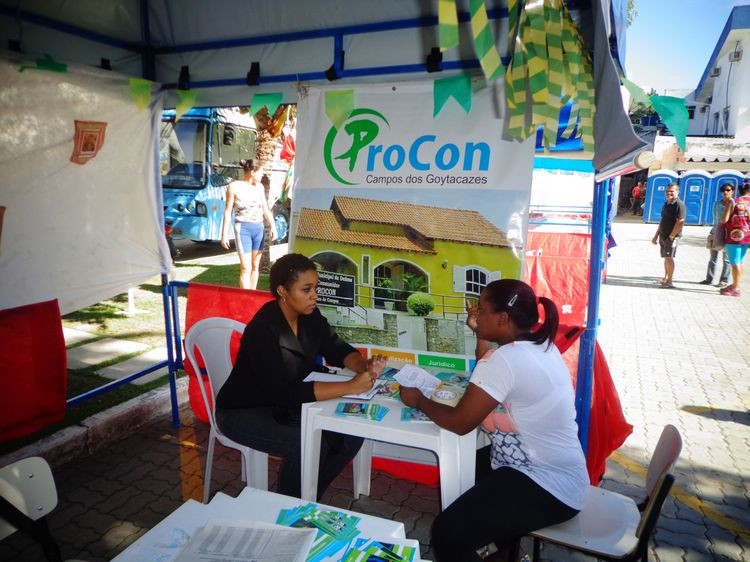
(295, 42)
(78, 233)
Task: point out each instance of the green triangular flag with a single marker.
(186, 101)
(674, 113)
(339, 105)
(47, 63)
(271, 100)
(457, 87)
(140, 89)
(636, 91)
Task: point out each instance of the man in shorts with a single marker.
(669, 231)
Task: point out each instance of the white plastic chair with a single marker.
(212, 336)
(611, 526)
(28, 485)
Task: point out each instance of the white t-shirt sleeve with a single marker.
(493, 375)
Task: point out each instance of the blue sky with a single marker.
(670, 41)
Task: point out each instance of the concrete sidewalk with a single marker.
(677, 356)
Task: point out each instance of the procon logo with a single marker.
(342, 152)
(362, 131)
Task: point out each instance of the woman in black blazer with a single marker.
(260, 403)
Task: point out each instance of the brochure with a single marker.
(374, 412)
(412, 376)
(413, 415)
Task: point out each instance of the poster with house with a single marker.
(408, 212)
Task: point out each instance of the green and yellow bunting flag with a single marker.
(549, 68)
(484, 41)
(447, 24)
(271, 100)
(673, 111)
(46, 63)
(338, 105)
(140, 90)
(675, 115)
(456, 87)
(185, 102)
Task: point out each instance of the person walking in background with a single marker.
(736, 221)
(247, 198)
(715, 241)
(669, 231)
(635, 198)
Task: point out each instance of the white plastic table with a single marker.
(456, 453)
(164, 541)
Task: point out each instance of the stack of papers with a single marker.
(335, 530)
(371, 411)
(242, 541)
(316, 376)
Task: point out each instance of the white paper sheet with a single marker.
(411, 376)
(334, 377)
(247, 541)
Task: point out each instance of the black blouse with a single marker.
(272, 361)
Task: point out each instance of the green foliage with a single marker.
(420, 304)
(414, 283)
(632, 13)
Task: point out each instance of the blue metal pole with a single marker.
(170, 350)
(148, 60)
(588, 338)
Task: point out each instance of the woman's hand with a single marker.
(361, 382)
(274, 234)
(410, 396)
(376, 364)
(224, 242)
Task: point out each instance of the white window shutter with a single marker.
(493, 276)
(459, 279)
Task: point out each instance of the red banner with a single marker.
(34, 374)
(205, 301)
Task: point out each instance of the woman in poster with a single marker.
(534, 472)
(247, 198)
(260, 404)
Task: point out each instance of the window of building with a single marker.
(476, 280)
(726, 120)
(365, 273)
(716, 123)
(691, 111)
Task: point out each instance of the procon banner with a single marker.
(407, 213)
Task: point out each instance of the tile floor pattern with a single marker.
(678, 356)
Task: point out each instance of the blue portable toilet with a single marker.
(732, 177)
(655, 187)
(695, 186)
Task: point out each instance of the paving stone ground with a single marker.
(677, 356)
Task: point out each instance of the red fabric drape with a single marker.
(205, 301)
(553, 256)
(34, 374)
(608, 427)
(287, 151)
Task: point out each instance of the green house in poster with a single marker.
(394, 249)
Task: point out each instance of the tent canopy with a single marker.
(295, 42)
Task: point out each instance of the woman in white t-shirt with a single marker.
(534, 472)
(247, 199)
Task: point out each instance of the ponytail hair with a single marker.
(522, 305)
(251, 164)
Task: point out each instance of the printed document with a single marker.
(247, 541)
(412, 376)
(334, 377)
